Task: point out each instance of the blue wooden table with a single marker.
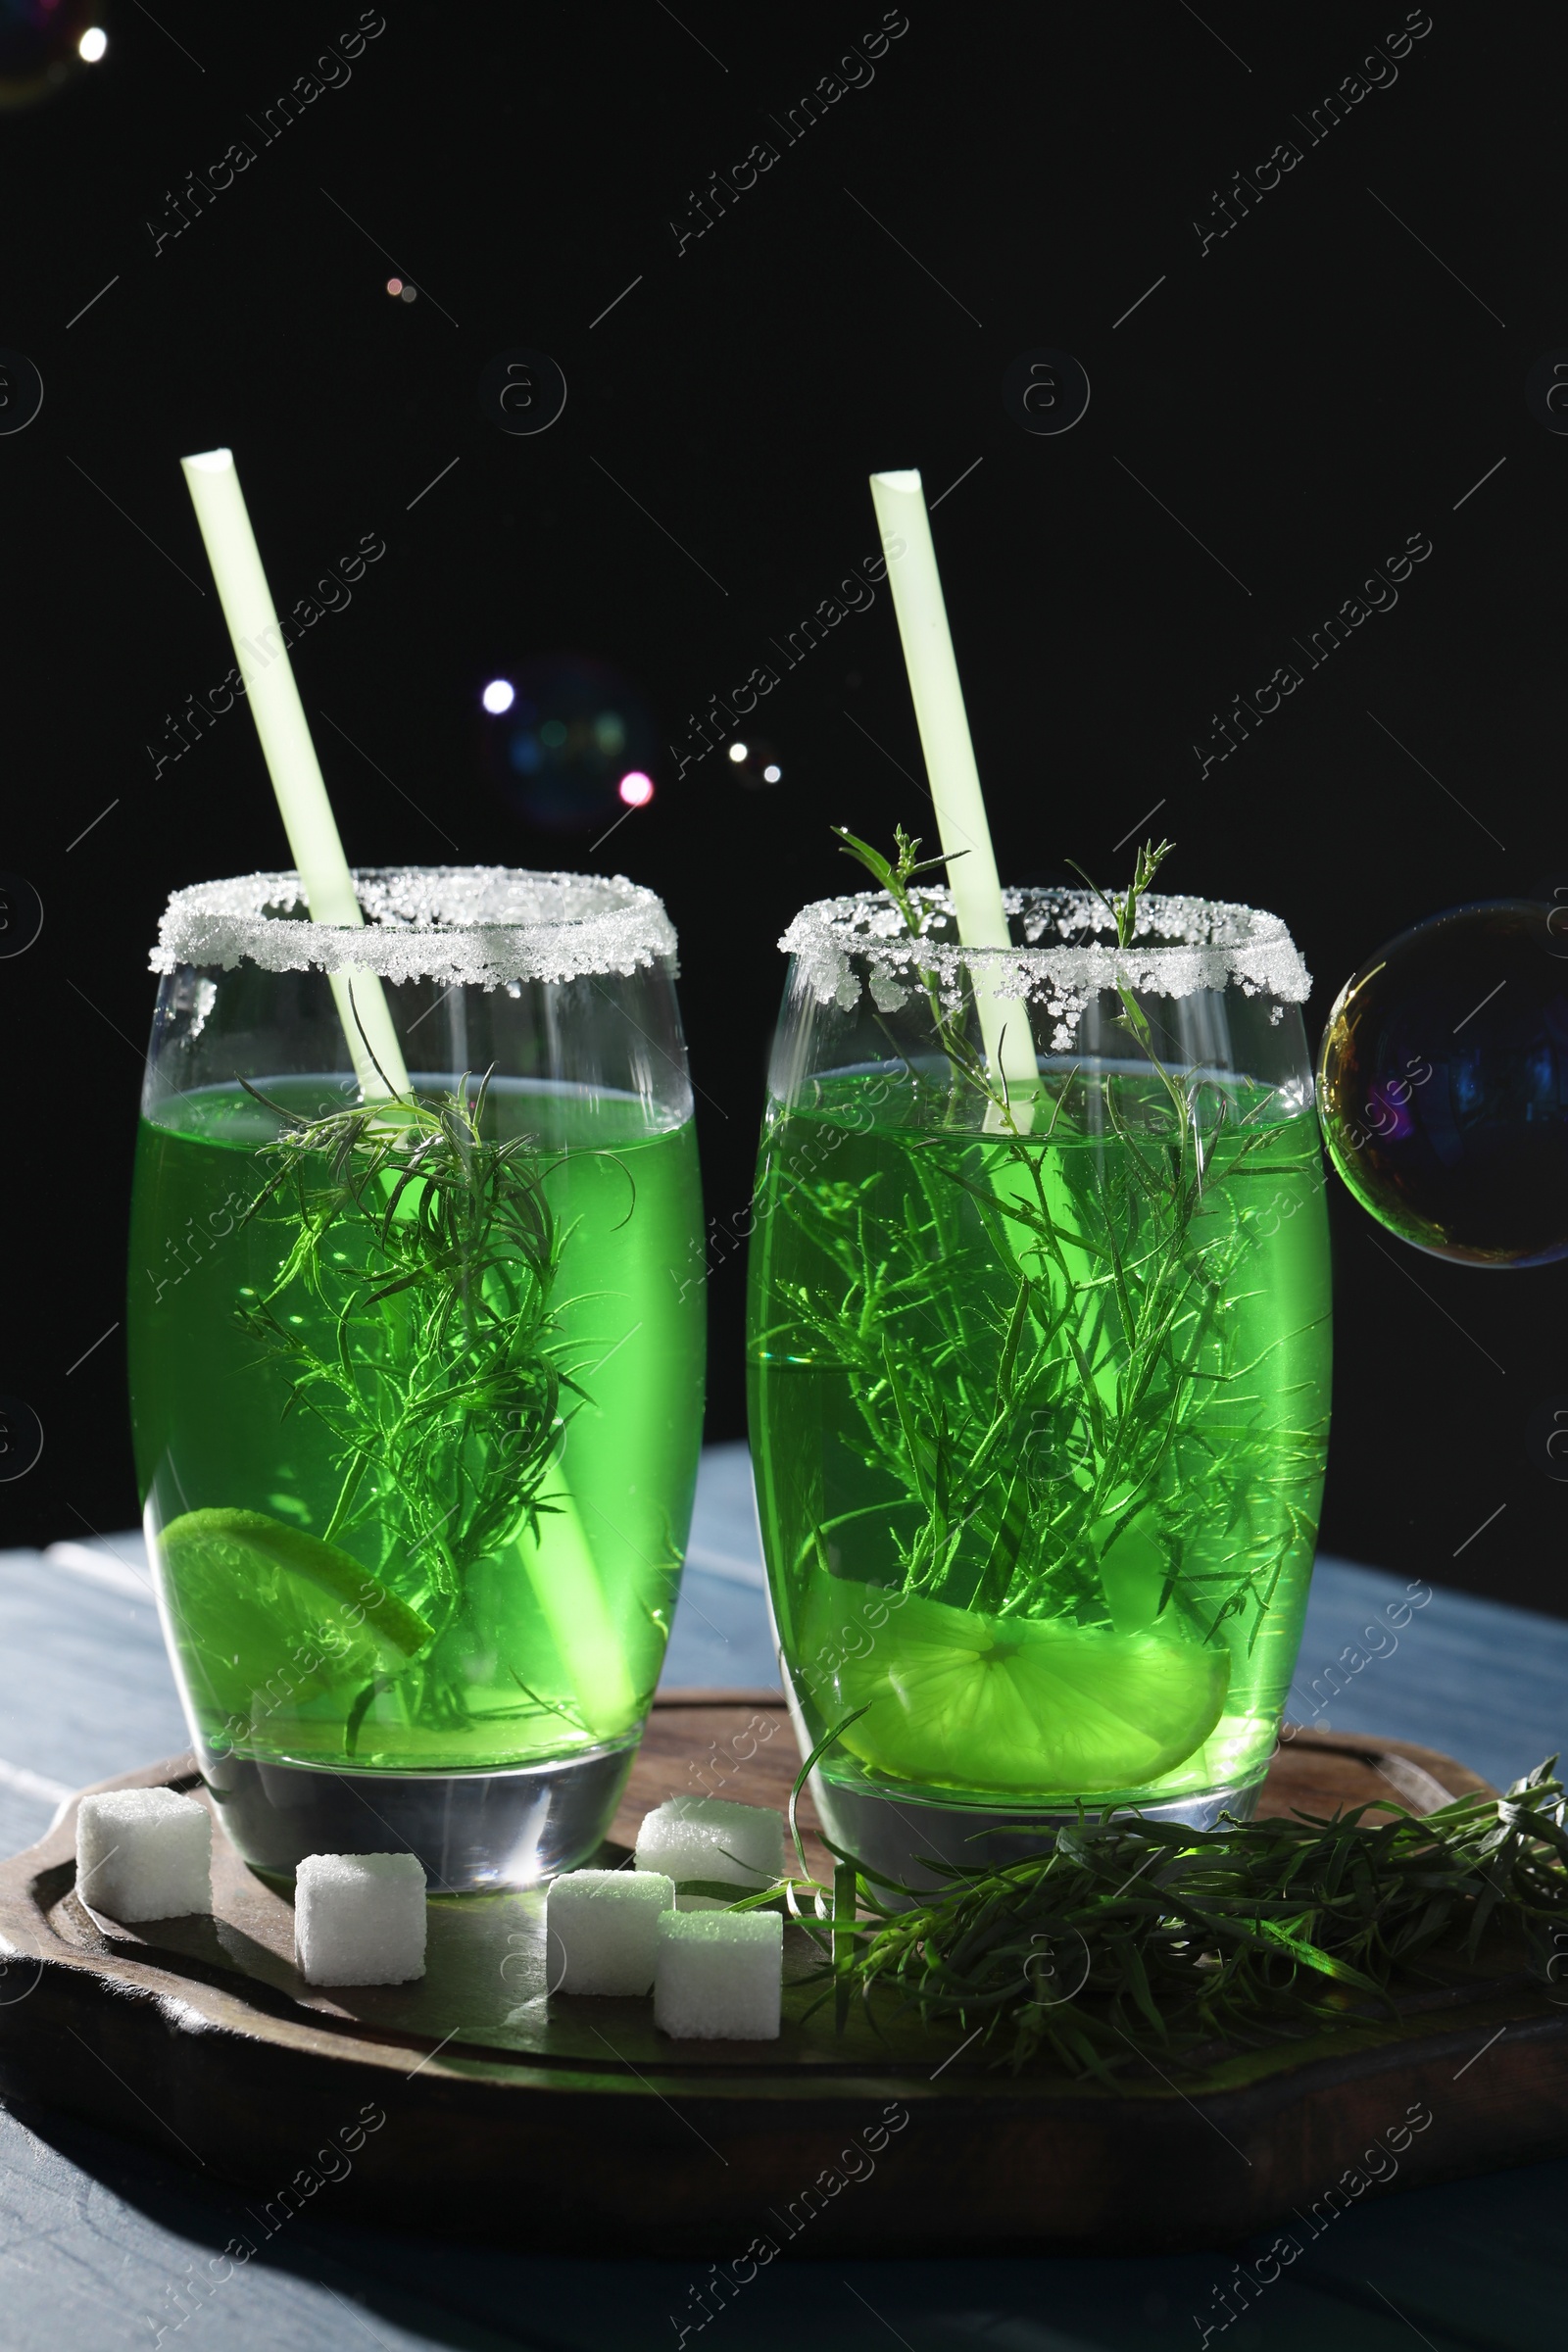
(104, 2246)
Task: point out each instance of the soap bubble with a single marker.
(558, 749)
(1442, 1085)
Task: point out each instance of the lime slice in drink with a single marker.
(963, 1700)
(261, 1608)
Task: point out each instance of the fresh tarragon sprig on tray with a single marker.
(1135, 1942)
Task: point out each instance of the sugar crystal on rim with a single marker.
(482, 926)
(1180, 944)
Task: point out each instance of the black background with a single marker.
(1317, 385)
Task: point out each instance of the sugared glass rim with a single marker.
(1179, 947)
(481, 926)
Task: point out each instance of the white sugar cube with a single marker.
(719, 1975)
(359, 1918)
(144, 1853)
(601, 1930)
(712, 1837)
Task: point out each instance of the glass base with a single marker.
(474, 1832)
(894, 1835)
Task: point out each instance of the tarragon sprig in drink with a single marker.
(435, 1251)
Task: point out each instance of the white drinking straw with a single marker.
(290, 756)
(955, 794)
(568, 1587)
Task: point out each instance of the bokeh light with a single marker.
(42, 44)
(755, 763)
(574, 744)
(394, 285)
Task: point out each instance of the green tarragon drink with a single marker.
(1041, 1451)
(1040, 1376)
(416, 1404)
(416, 1411)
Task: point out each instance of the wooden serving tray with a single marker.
(473, 2101)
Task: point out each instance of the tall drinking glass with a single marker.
(417, 1406)
(1039, 1378)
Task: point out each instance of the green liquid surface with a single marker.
(1039, 1425)
(427, 1628)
